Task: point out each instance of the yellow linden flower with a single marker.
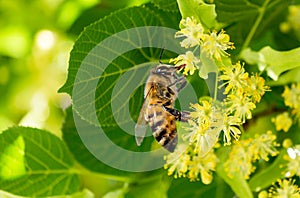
(263, 194)
(215, 44)
(240, 106)
(203, 166)
(256, 87)
(294, 16)
(235, 77)
(204, 127)
(292, 99)
(293, 22)
(285, 189)
(192, 30)
(203, 141)
(296, 113)
(244, 152)
(287, 142)
(189, 60)
(202, 111)
(230, 128)
(177, 162)
(293, 158)
(262, 146)
(282, 122)
(292, 96)
(239, 162)
(184, 162)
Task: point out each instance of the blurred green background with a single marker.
(36, 38)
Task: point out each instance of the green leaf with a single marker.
(237, 183)
(291, 76)
(230, 11)
(85, 193)
(260, 126)
(12, 160)
(155, 187)
(97, 164)
(200, 10)
(248, 20)
(269, 174)
(81, 152)
(167, 5)
(275, 62)
(36, 163)
(182, 188)
(119, 193)
(100, 10)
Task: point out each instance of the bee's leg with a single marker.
(185, 115)
(180, 116)
(179, 81)
(182, 82)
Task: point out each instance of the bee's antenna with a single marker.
(161, 53)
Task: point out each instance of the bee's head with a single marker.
(166, 69)
(163, 69)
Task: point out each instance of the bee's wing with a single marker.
(142, 123)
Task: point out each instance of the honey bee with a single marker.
(161, 90)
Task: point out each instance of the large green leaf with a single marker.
(140, 184)
(36, 163)
(108, 66)
(81, 152)
(101, 167)
(101, 63)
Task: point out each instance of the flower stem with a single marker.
(262, 11)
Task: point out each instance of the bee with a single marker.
(161, 90)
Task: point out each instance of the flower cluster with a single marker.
(242, 91)
(211, 118)
(285, 188)
(245, 152)
(213, 44)
(185, 163)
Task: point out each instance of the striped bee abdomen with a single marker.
(164, 130)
